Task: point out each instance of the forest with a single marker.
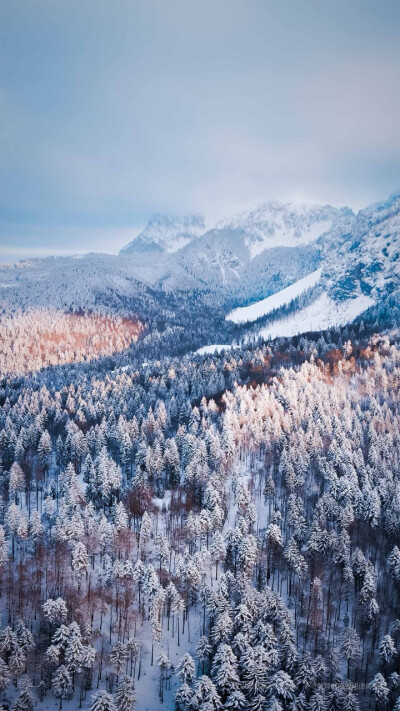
(204, 532)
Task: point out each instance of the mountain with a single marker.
(278, 224)
(242, 261)
(257, 253)
(360, 270)
(166, 233)
(366, 260)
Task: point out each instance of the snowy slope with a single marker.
(217, 347)
(367, 258)
(321, 314)
(166, 233)
(265, 306)
(278, 224)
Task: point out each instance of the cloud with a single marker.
(25, 241)
(112, 111)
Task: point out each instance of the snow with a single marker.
(277, 224)
(323, 313)
(214, 348)
(168, 232)
(265, 306)
(287, 238)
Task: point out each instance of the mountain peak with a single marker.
(166, 233)
(283, 224)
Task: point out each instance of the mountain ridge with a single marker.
(216, 272)
(166, 233)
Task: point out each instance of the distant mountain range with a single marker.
(242, 260)
(274, 224)
(244, 257)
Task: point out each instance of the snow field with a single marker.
(321, 314)
(281, 298)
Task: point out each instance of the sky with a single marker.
(112, 110)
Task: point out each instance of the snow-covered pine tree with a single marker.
(62, 684)
(125, 697)
(102, 701)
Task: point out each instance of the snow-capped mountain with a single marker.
(360, 269)
(272, 249)
(366, 260)
(278, 224)
(254, 254)
(166, 233)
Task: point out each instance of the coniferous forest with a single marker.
(205, 532)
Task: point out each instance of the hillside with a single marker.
(184, 296)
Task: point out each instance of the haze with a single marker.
(112, 110)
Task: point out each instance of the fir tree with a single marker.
(125, 698)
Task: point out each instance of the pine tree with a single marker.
(236, 701)
(80, 561)
(222, 628)
(318, 700)
(186, 669)
(8, 640)
(119, 656)
(120, 517)
(102, 701)
(224, 671)
(17, 660)
(145, 530)
(44, 449)
(164, 665)
(61, 636)
(217, 550)
(161, 545)
(16, 480)
(52, 655)
(206, 693)
(55, 610)
(125, 698)
(254, 664)
(350, 646)
(3, 548)
(88, 656)
(269, 489)
(379, 688)
(349, 699)
(74, 653)
(24, 702)
(387, 649)
(282, 685)
(4, 675)
(35, 525)
(203, 650)
(183, 697)
(62, 684)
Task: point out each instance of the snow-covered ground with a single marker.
(216, 347)
(265, 306)
(287, 237)
(321, 314)
(278, 224)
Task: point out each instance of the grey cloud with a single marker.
(114, 110)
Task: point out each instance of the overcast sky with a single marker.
(114, 109)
